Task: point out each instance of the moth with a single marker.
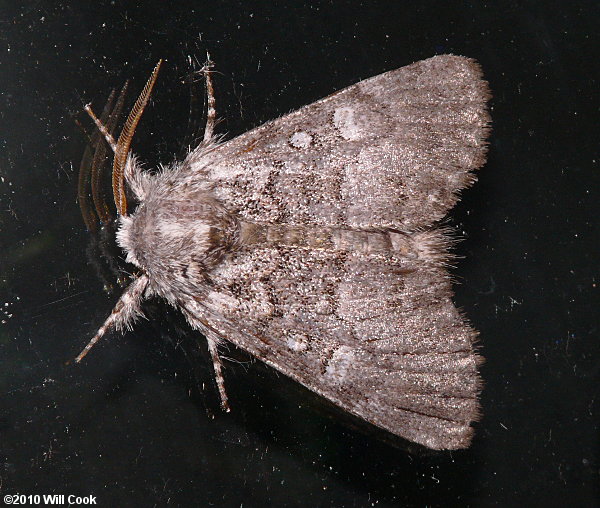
(313, 242)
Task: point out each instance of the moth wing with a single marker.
(390, 151)
(378, 336)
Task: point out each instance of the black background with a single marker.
(134, 425)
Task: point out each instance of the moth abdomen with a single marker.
(428, 246)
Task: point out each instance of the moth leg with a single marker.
(90, 171)
(218, 367)
(211, 112)
(123, 313)
(213, 340)
(109, 119)
(107, 135)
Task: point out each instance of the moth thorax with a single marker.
(158, 239)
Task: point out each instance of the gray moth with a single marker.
(313, 243)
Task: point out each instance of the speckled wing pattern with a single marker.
(389, 151)
(352, 299)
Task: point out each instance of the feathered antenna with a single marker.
(90, 167)
(121, 147)
(124, 142)
(98, 172)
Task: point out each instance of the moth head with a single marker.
(162, 231)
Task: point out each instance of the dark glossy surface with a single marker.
(133, 425)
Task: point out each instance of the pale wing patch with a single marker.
(340, 363)
(297, 341)
(344, 120)
(300, 139)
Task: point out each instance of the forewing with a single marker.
(389, 151)
(377, 335)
